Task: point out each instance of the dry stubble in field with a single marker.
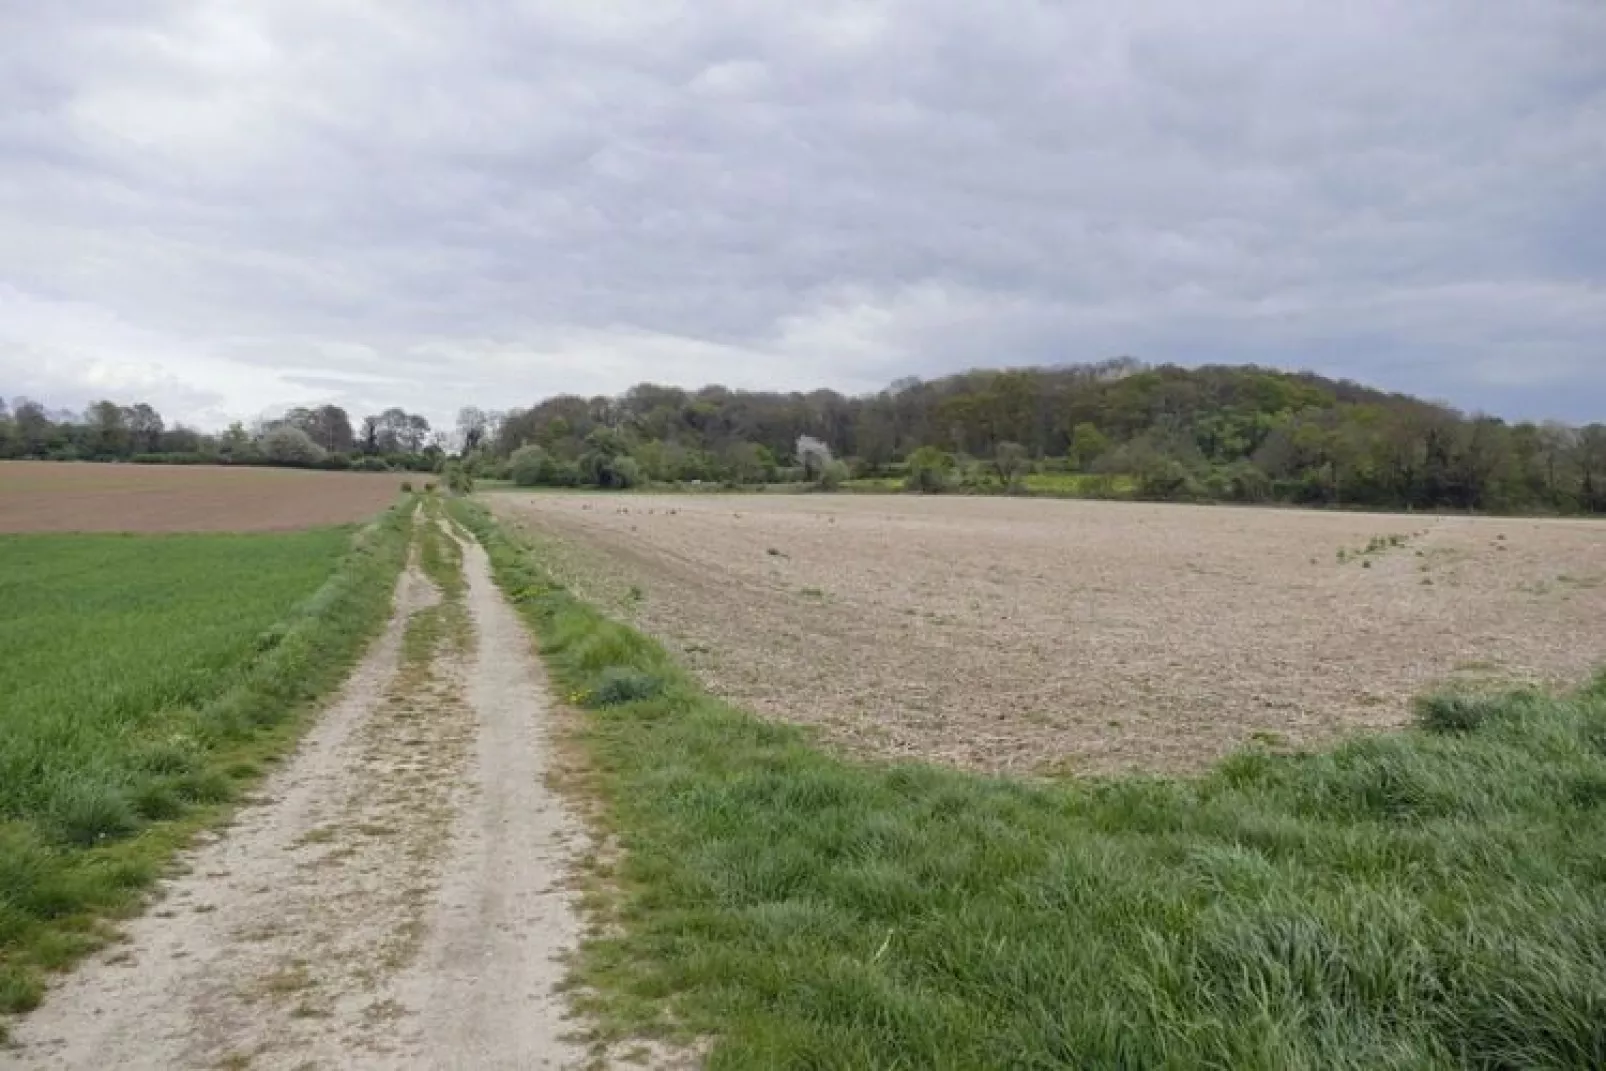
(49, 496)
(1023, 636)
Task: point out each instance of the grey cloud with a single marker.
(431, 205)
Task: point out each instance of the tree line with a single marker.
(1119, 427)
(308, 437)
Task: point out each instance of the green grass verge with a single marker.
(1035, 484)
(1079, 485)
(146, 678)
(1435, 898)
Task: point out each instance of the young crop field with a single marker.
(1029, 636)
(45, 496)
(144, 678)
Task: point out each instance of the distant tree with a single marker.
(1590, 458)
(182, 440)
(749, 463)
(332, 429)
(416, 436)
(472, 426)
(392, 433)
(235, 443)
(300, 417)
(1088, 444)
(327, 425)
(33, 427)
(1010, 463)
(606, 462)
(930, 470)
(108, 429)
(626, 473)
(145, 428)
(814, 456)
(876, 433)
(832, 475)
(531, 466)
(1554, 447)
(369, 441)
(288, 445)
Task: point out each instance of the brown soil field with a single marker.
(1032, 636)
(49, 496)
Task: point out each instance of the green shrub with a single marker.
(1451, 713)
(929, 470)
(621, 684)
(1167, 479)
(626, 473)
(286, 445)
(531, 466)
(832, 475)
(457, 478)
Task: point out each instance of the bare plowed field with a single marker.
(1027, 636)
(47, 496)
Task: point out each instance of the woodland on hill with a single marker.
(1118, 428)
(1213, 433)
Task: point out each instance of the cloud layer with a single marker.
(226, 208)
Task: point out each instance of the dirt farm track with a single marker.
(1030, 635)
(48, 496)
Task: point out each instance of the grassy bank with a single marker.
(1435, 898)
(145, 679)
(1034, 484)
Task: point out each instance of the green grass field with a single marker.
(1078, 485)
(1435, 898)
(1045, 484)
(143, 679)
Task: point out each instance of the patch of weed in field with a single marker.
(1375, 546)
(1268, 739)
(1433, 898)
(136, 696)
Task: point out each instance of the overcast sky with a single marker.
(229, 207)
